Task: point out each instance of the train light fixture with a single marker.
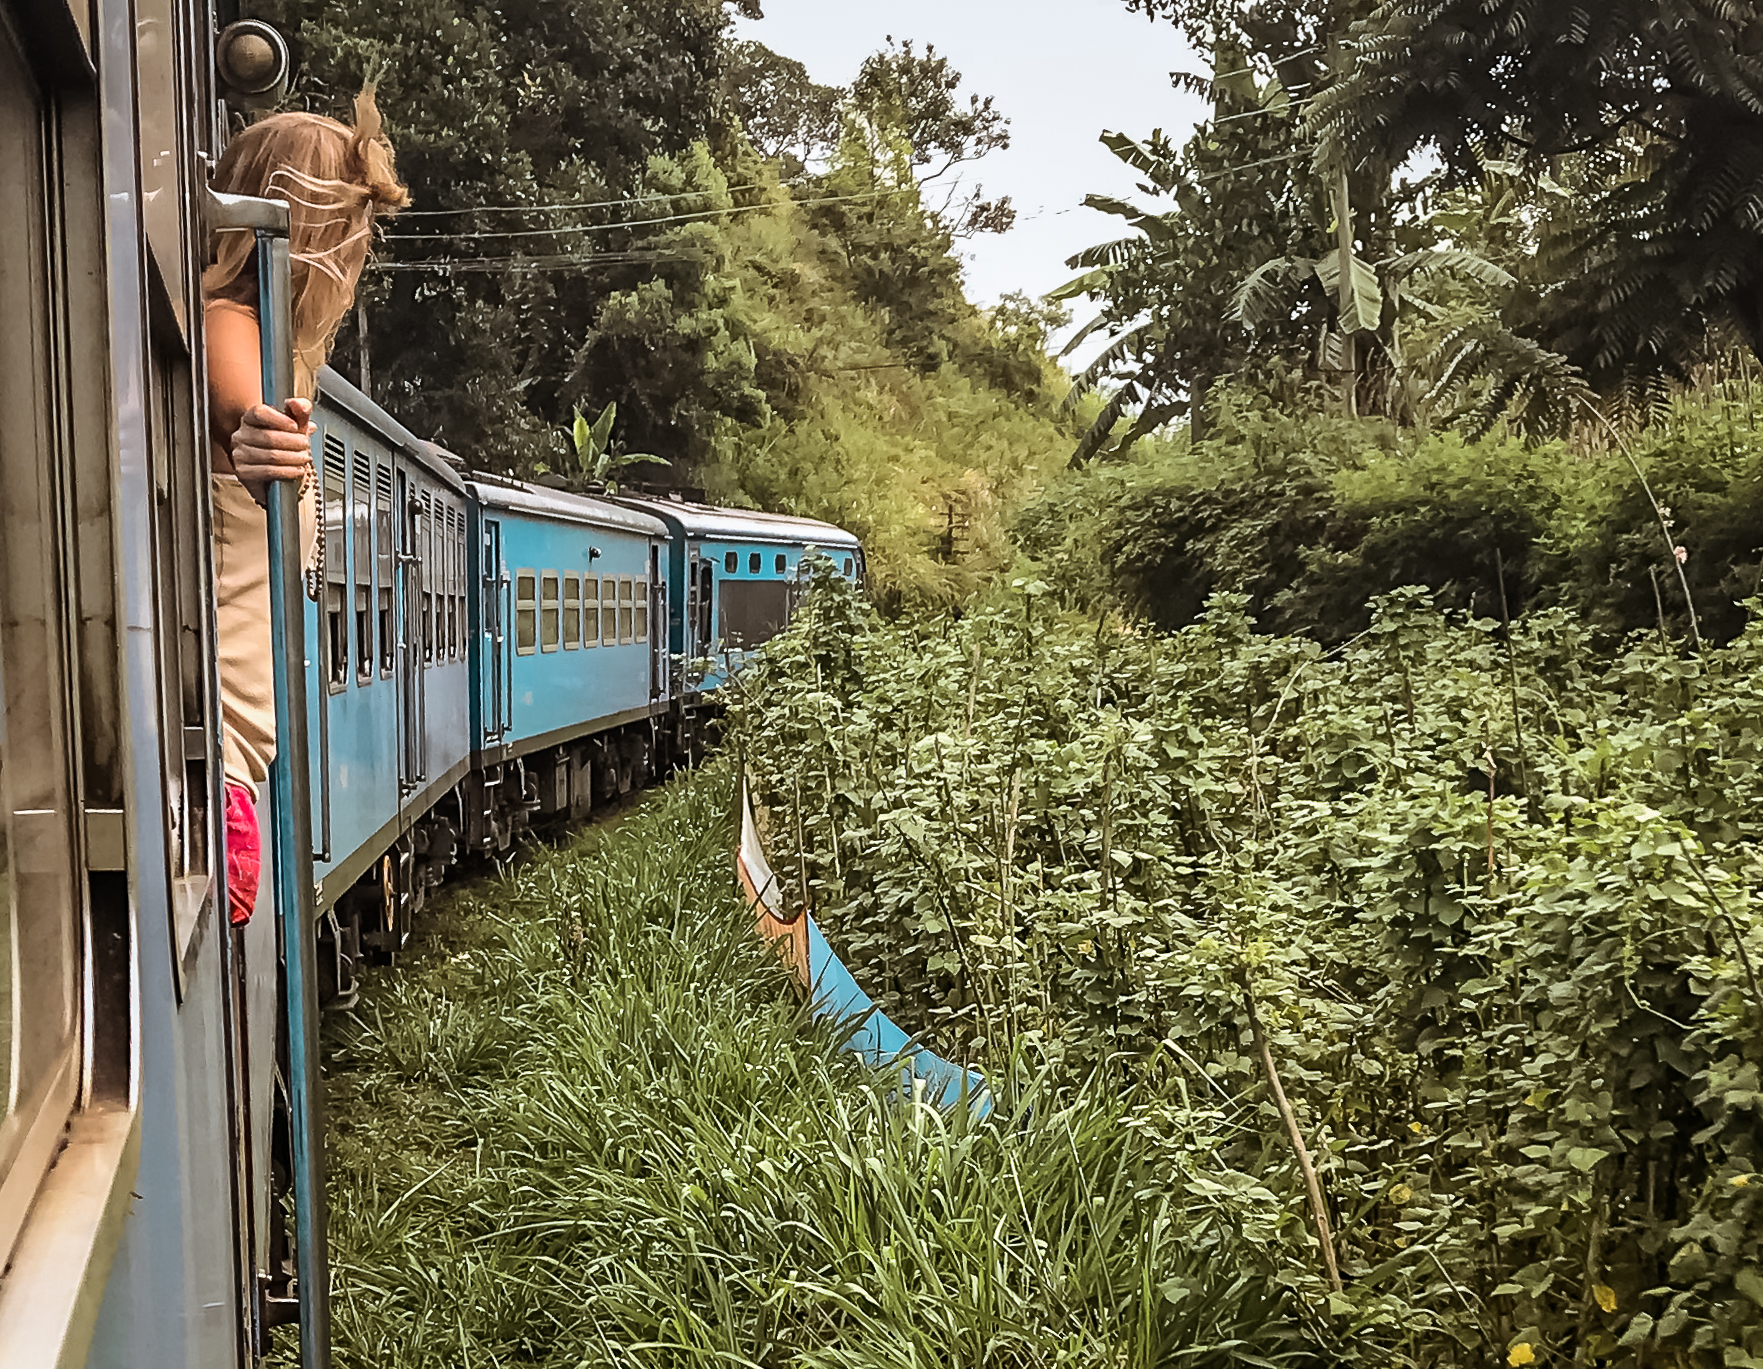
(251, 60)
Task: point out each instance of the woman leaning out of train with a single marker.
(336, 180)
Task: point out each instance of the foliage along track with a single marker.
(591, 1121)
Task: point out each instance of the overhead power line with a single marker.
(586, 204)
(550, 262)
(480, 234)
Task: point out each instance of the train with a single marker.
(487, 652)
(475, 654)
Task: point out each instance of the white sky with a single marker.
(1061, 71)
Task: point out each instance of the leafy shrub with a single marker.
(1311, 516)
(1493, 901)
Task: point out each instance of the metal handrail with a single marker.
(291, 788)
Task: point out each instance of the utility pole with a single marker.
(365, 380)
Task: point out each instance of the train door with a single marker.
(657, 627)
(416, 626)
(702, 610)
(495, 644)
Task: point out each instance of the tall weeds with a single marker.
(1468, 915)
(592, 1124)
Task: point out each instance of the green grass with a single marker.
(590, 1122)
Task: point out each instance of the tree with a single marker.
(916, 95)
(521, 130)
(1242, 195)
(1659, 106)
(786, 115)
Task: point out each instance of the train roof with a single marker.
(499, 492)
(741, 525)
(365, 412)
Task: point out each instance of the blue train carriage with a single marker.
(570, 686)
(736, 575)
(388, 676)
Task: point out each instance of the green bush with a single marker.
(1492, 901)
(1312, 516)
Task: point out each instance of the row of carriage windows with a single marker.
(360, 570)
(563, 610)
(731, 563)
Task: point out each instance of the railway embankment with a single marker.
(591, 1121)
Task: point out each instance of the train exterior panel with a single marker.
(579, 584)
(388, 643)
(735, 575)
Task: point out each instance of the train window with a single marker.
(609, 610)
(590, 610)
(382, 531)
(706, 608)
(453, 581)
(361, 521)
(462, 622)
(425, 550)
(336, 565)
(731, 563)
(40, 941)
(753, 563)
(782, 563)
(640, 603)
(572, 612)
(848, 566)
(753, 611)
(549, 632)
(526, 612)
(624, 609)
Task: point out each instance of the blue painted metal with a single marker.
(879, 1041)
(372, 789)
(833, 991)
(291, 809)
(562, 689)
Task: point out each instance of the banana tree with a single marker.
(1378, 301)
(597, 466)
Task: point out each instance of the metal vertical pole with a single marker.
(291, 807)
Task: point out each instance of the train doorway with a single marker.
(495, 678)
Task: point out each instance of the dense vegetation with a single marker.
(591, 1124)
(593, 224)
(1481, 904)
(1338, 844)
(1310, 514)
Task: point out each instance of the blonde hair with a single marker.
(335, 180)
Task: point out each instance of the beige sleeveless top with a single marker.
(242, 643)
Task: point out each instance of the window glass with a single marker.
(609, 609)
(425, 548)
(382, 531)
(753, 563)
(782, 562)
(731, 563)
(848, 565)
(336, 564)
(39, 943)
(361, 555)
(572, 612)
(549, 625)
(590, 610)
(640, 626)
(526, 612)
(624, 608)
